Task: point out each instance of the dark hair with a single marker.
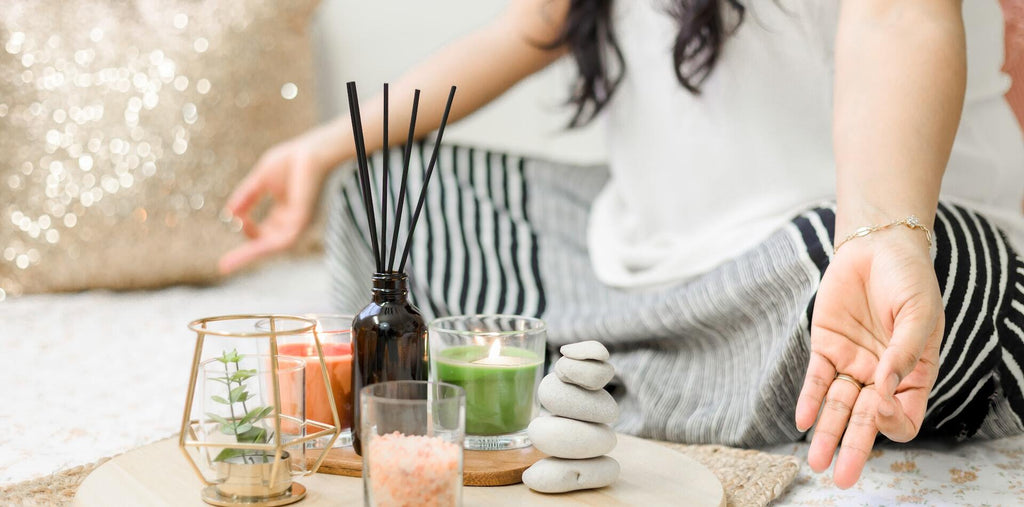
(588, 34)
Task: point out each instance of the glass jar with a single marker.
(389, 341)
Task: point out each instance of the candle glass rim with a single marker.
(260, 324)
(200, 325)
(299, 363)
(459, 394)
(537, 325)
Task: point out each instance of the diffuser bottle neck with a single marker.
(390, 287)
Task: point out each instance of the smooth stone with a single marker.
(587, 373)
(576, 402)
(589, 349)
(557, 475)
(569, 438)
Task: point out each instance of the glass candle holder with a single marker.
(499, 361)
(412, 433)
(335, 336)
(244, 429)
(238, 407)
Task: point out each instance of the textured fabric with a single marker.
(695, 180)
(718, 359)
(125, 125)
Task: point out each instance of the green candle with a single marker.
(499, 383)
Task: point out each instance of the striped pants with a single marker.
(715, 359)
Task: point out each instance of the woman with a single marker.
(727, 120)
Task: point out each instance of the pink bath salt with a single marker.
(414, 470)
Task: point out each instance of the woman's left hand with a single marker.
(878, 318)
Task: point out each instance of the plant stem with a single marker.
(231, 404)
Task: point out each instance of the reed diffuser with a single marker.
(389, 335)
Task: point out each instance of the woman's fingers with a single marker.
(905, 421)
(911, 329)
(832, 422)
(820, 373)
(249, 251)
(248, 192)
(858, 440)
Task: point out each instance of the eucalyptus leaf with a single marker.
(229, 428)
(218, 418)
(238, 394)
(257, 413)
(242, 428)
(241, 375)
(220, 399)
(227, 454)
(254, 435)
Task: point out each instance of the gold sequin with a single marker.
(125, 125)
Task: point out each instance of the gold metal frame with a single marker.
(188, 436)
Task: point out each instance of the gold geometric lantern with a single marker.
(244, 428)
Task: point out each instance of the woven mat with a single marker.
(748, 477)
(56, 489)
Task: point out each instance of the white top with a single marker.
(697, 180)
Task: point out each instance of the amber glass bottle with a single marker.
(389, 341)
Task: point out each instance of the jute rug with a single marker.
(748, 477)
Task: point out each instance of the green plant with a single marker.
(244, 424)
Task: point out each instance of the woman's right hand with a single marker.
(291, 174)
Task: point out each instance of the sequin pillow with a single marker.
(124, 126)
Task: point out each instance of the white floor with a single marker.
(88, 375)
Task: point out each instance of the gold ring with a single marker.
(843, 376)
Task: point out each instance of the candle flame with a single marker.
(495, 350)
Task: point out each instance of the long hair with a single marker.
(588, 34)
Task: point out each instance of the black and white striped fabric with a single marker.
(717, 359)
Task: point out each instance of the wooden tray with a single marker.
(479, 468)
(158, 475)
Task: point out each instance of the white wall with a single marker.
(372, 41)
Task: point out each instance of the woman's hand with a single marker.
(879, 318)
(290, 174)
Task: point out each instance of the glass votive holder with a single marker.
(412, 433)
(499, 361)
(335, 336)
(238, 400)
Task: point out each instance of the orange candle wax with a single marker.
(338, 357)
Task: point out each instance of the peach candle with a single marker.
(338, 358)
(336, 340)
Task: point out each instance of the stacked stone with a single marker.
(577, 435)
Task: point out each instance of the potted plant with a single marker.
(241, 418)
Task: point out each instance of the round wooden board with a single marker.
(158, 475)
(480, 468)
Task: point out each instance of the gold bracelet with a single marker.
(911, 222)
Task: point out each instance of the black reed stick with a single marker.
(426, 179)
(405, 175)
(384, 187)
(364, 171)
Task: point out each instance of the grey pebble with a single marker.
(556, 475)
(586, 373)
(569, 438)
(576, 402)
(589, 349)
